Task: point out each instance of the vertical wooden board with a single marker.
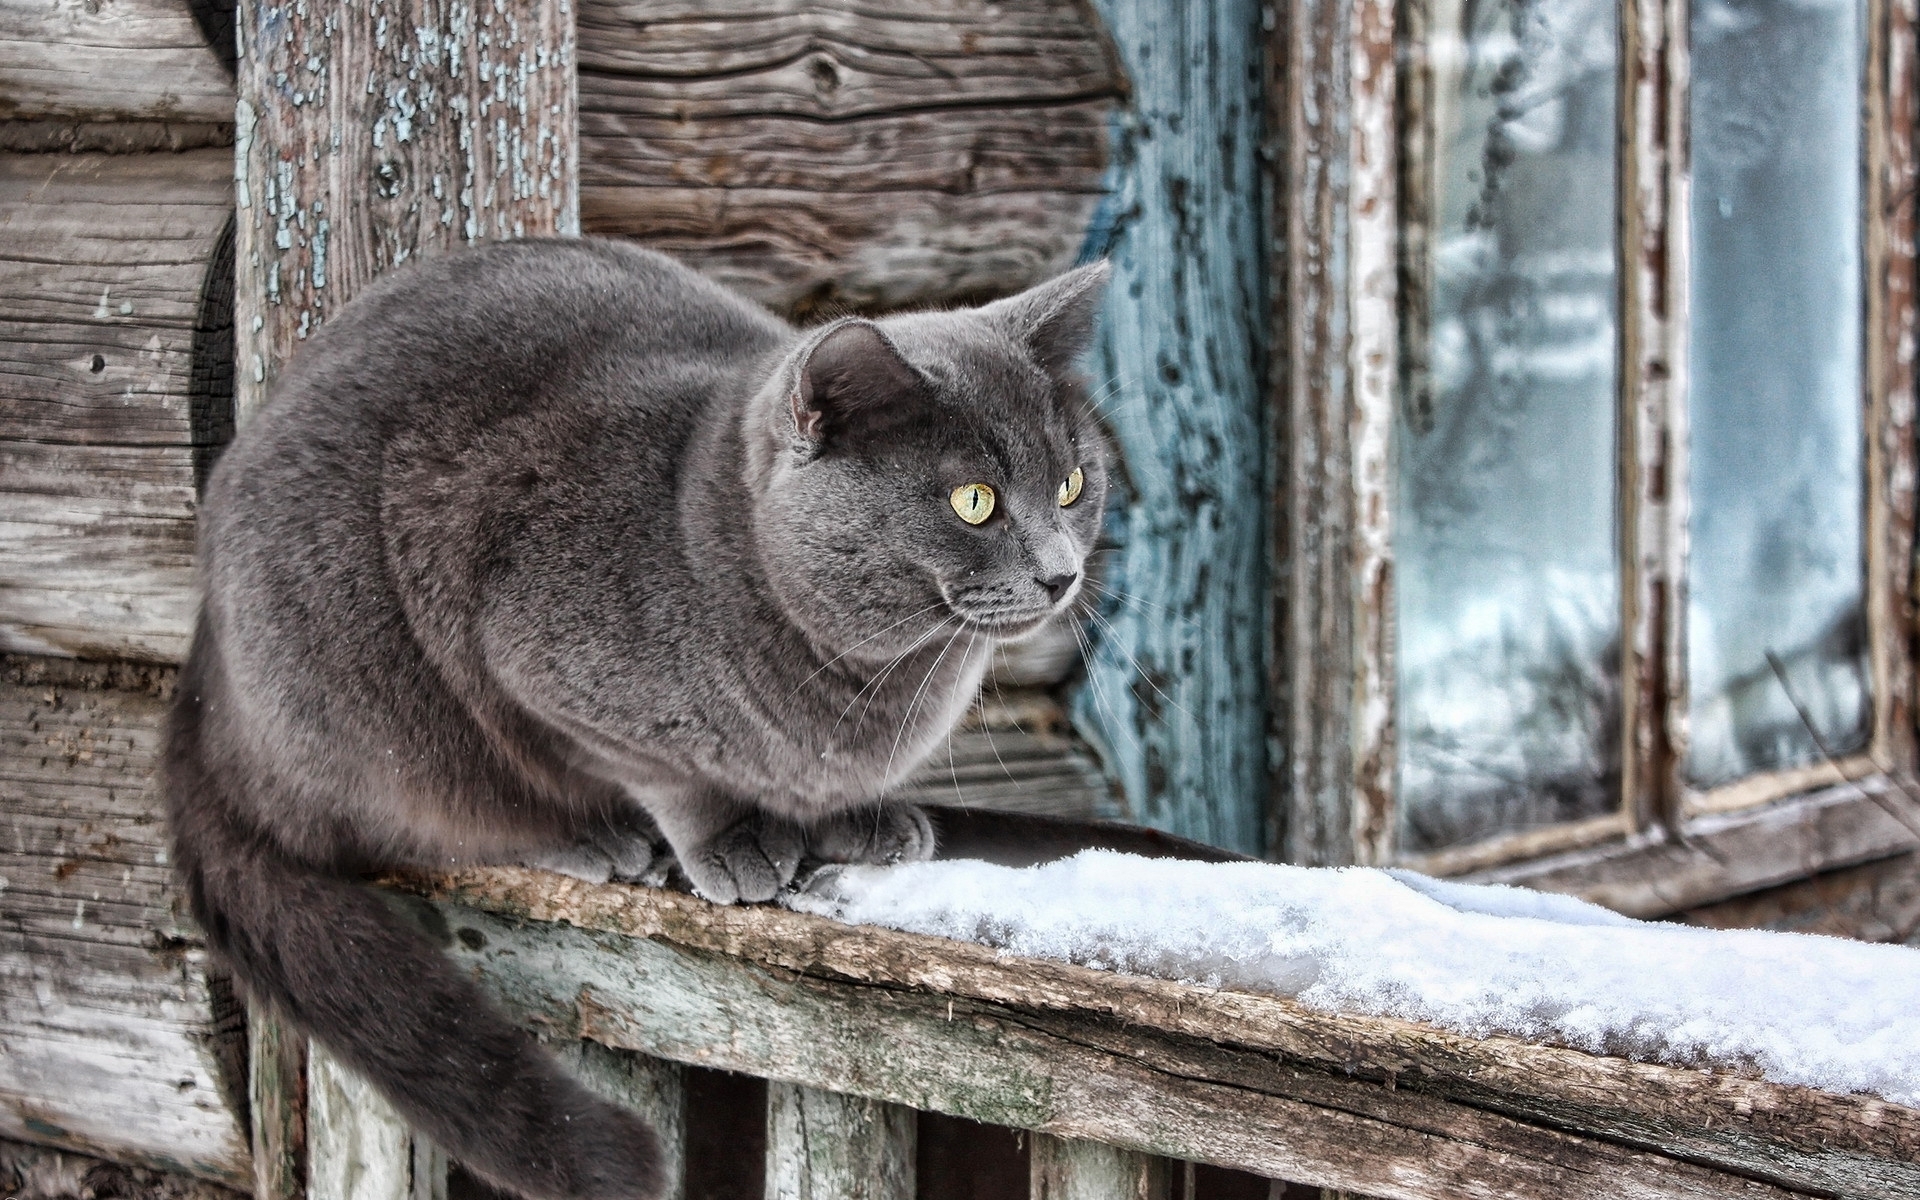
(1066, 1169)
(829, 1146)
(124, 60)
(1176, 690)
(1331, 106)
(652, 1087)
(370, 131)
(358, 1148)
(277, 1102)
(114, 1038)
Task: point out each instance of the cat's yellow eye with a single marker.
(1070, 487)
(973, 501)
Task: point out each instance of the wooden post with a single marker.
(1068, 1169)
(277, 1097)
(829, 1146)
(369, 131)
(358, 1147)
(1331, 104)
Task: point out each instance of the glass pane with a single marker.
(1507, 575)
(1777, 470)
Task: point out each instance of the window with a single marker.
(1646, 460)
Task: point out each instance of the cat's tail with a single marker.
(353, 974)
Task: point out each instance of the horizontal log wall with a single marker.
(830, 153)
(113, 391)
(115, 61)
(114, 1038)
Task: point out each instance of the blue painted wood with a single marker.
(1174, 696)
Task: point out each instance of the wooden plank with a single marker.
(819, 153)
(115, 1037)
(1014, 770)
(1078, 1077)
(1382, 1107)
(828, 1146)
(358, 149)
(358, 1148)
(1072, 1170)
(1892, 319)
(115, 385)
(1873, 902)
(277, 1103)
(1175, 695)
(96, 550)
(129, 60)
(1722, 855)
(809, 254)
(1335, 336)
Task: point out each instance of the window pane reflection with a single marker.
(1775, 396)
(1507, 575)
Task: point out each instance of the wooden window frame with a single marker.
(1342, 210)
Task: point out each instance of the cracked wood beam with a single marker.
(1378, 1106)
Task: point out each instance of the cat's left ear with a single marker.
(852, 381)
(1055, 319)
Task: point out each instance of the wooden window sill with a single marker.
(1722, 854)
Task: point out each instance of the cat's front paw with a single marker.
(887, 833)
(749, 861)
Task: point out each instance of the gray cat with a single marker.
(545, 549)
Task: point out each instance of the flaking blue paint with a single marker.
(1174, 697)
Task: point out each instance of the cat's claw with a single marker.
(889, 833)
(750, 861)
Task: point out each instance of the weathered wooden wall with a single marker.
(114, 1038)
(1175, 697)
(826, 153)
(115, 380)
(120, 61)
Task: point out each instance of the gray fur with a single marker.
(544, 547)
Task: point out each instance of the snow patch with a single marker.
(1827, 1013)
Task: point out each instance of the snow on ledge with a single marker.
(1832, 1014)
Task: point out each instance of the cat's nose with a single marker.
(1057, 585)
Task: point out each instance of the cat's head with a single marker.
(933, 475)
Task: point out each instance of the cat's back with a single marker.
(552, 339)
(520, 323)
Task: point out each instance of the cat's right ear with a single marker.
(852, 381)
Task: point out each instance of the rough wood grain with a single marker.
(1071, 1170)
(114, 1038)
(1873, 902)
(358, 1148)
(1382, 1107)
(1128, 1087)
(115, 387)
(829, 1146)
(1723, 855)
(277, 1105)
(121, 60)
(826, 153)
(96, 549)
(1176, 689)
(1014, 770)
(371, 131)
(1332, 106)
